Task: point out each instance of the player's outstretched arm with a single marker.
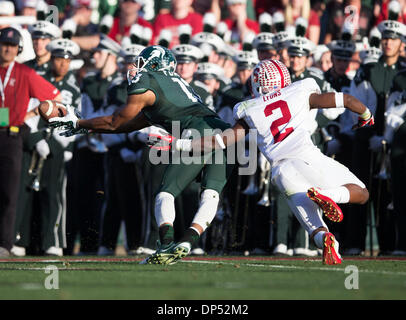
(126, 119)
(342, 100)
(218, 141)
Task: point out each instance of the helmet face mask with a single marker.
(156, 58)
(269, 76)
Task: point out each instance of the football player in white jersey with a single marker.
(312, 182)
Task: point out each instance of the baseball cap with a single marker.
(10, 35)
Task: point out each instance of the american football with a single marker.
(50, 109)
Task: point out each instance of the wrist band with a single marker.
(366, 115)
(183, 145)
(339, 97)
(220, 141)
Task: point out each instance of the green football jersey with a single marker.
(68, 87)
(175, 99)
(42, 69)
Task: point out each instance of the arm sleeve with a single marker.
(41, 88)
(308, 87)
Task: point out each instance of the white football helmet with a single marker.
(269, 76)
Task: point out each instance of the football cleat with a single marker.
(331, 210)
(330, 250)
(168, 254)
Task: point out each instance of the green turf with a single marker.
(226, 279)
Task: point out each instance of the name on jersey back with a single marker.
(271, 96)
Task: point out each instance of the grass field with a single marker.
(214, 278)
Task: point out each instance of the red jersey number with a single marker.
(286, 116)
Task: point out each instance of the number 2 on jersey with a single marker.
(286, 116)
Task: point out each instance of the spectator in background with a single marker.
(332, 20)
(26, 83)
(29, 8)
(269, 6)
(181, 13)
(7, 9)
(238, 22)
(82, 12)
(301, 8)
(381, 11)
(322, 58)
(128, 15)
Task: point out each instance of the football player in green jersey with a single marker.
(157, 95)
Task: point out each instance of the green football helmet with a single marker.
(156, 58)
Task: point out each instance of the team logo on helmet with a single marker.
(269, 76)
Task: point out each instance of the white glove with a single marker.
(128, 156)
(375, 143)
(67, 156)
(68, 122)
(333, 147)
(42, 148)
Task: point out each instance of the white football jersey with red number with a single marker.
(280, 119)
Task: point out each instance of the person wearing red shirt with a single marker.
(18, 84)
(238, 23)
(129, 10)
(381, 12)
(181, 13)
(302, 8)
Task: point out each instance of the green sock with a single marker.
(166, 234)
(190, 236)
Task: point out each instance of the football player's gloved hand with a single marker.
(42, 148)
(375, 143)
(365, 120)
(333, 147)
(160, 142)
(69, 123)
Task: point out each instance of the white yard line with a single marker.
(275, 266)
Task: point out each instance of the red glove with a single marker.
(365, 120)
(160, 142)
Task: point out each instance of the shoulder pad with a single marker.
(139, 84)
